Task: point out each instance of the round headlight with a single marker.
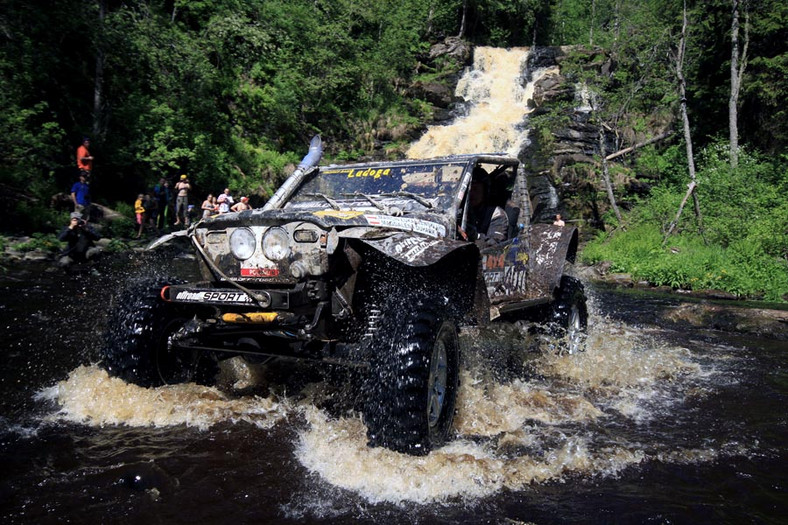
(276, 244)
(242, 243)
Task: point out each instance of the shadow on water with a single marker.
(652, 423)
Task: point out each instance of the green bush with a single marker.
(46, 242)
(745, 222)
(116, 245)
(687, 263)
(120, 228)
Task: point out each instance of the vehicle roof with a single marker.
(470, 159)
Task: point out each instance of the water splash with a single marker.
(90, 396)
(511, 432)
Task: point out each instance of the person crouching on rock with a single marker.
(79, 236)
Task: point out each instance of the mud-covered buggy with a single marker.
(361, 265)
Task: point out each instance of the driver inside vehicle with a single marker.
(487, 224)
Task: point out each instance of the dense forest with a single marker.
(230, 91)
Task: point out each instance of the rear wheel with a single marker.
(413, 379)
(138, 343)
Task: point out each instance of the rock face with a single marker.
(565, 156)
(452, 48)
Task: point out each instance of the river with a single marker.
(648, 425)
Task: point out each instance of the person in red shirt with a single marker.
(84, 158)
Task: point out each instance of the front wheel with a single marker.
(413, 380)
(138, 342)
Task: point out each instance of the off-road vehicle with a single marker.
(365, 265)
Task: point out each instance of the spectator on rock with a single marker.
(80, 195)
(84, 158)
(241, 206)
(208, 206)
(79, 236)
(163, 194)
(228, 197)
(151, 204)
(224, 206)
(182, 201)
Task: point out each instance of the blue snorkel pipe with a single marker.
(295, 180)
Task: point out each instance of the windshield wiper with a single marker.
(328, 199)
(415, 196)
(367, 197)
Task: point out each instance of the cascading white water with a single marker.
(498, 106)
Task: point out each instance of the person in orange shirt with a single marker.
(84, 158)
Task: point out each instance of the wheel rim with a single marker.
(172, 365)
(574, 330)
(438, 383)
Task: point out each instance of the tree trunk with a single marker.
(606, 175)
(738, 63)
(617, 23)
(462, 21)
(687, 135)
(639, 145)
(98, 82)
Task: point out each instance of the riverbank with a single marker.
(682, 309)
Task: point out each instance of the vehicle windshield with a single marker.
(421, 187)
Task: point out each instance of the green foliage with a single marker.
(745, 214)
(45, 242)
(116, 246)
(124, 208)
(668, 166)
(32, 216)
(120, 228)
(687, 263)
(745, 204)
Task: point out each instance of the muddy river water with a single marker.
(649, 425)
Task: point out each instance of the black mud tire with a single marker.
(136, 344)
(413, 379)
(569, 315)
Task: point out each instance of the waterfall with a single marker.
(498, 105)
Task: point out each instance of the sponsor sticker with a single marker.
(413, 248)
(259, 272)
(339, 214)
(211, 296)
(432, 229)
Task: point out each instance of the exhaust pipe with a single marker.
(293, 181)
